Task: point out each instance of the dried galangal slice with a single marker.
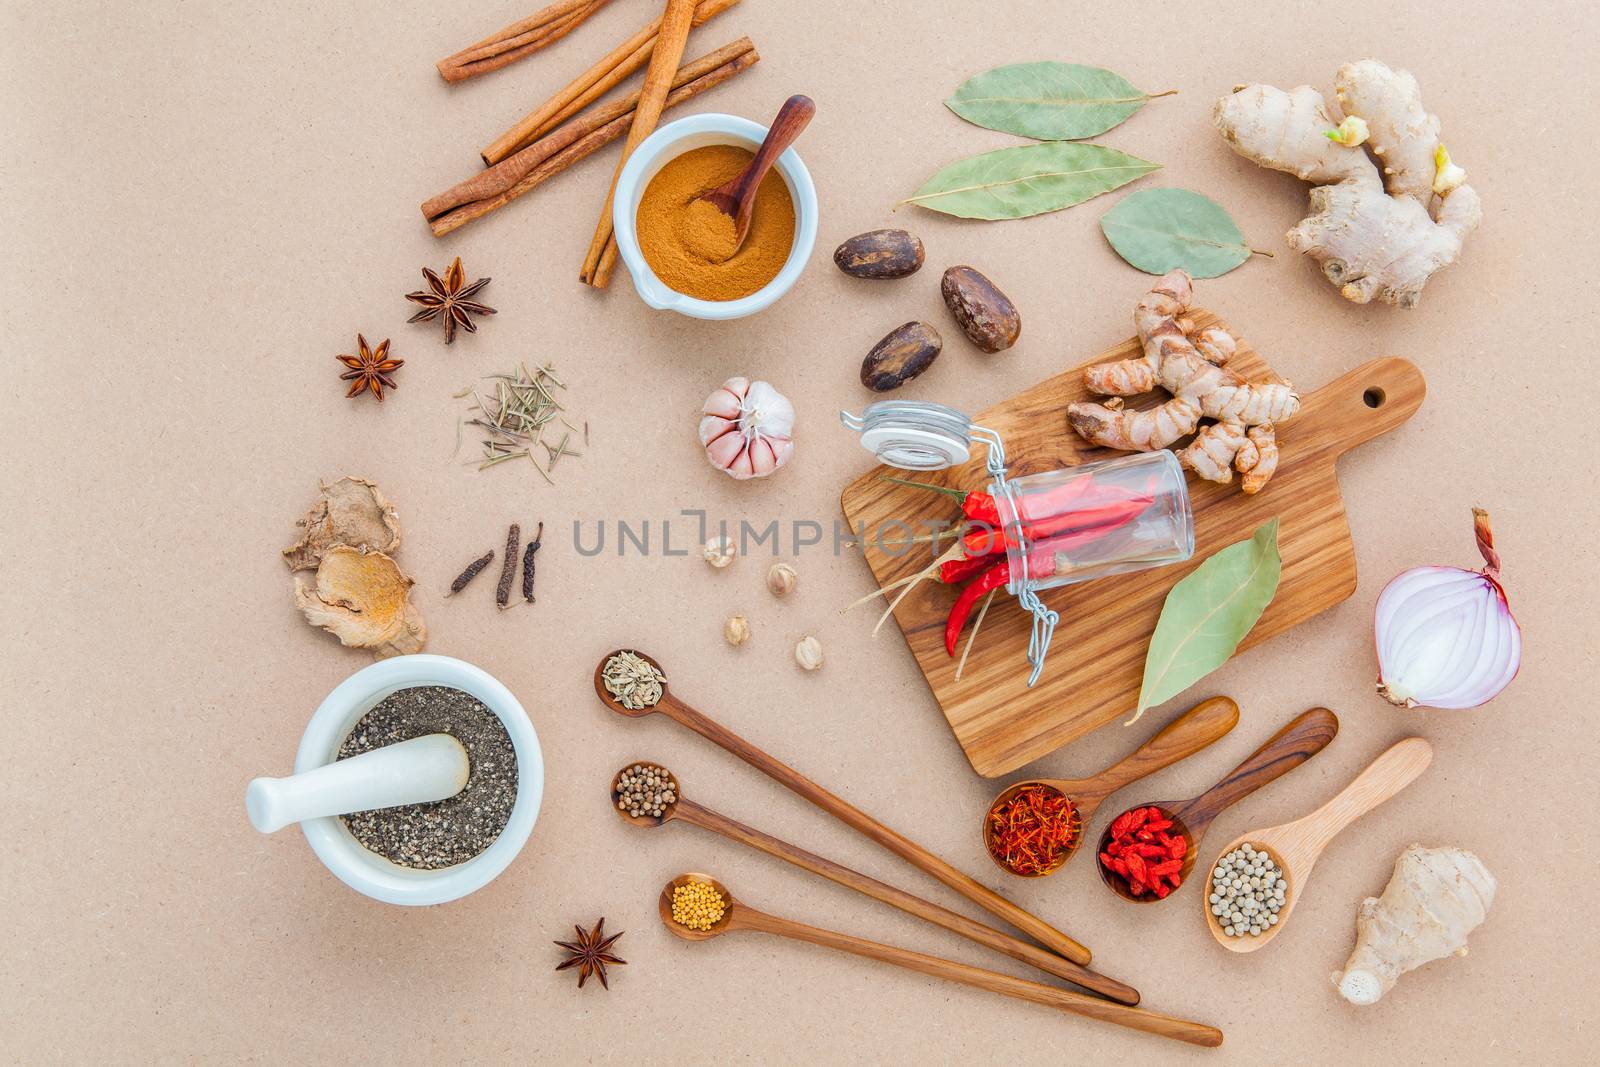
(351, 511)
(364, 600)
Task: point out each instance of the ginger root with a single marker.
(1375, 235)
(1435, 898)
(364, 600)
(1191, 368)
(351, 512)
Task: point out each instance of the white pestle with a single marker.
(418, 771)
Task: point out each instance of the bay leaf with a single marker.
(1157, 230)
(1206, 615)
(1013, 183)
(1048, 101)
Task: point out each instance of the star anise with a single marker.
(590, 953)
(370, 369)
(451, 299)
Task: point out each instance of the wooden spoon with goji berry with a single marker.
(1149, 850)
(1021, 837)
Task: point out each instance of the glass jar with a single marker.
(1080, 523)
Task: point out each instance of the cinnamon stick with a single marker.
(610, 69)
(521, 38)
(676, 21)
(492, 189)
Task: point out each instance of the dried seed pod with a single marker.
(508, 569)
(880, 254)
(470, 573)
(781, 579)
(986, 315)
(719, 552)
(528, 562)
(736, 630)
(908, 351)
(808, 653)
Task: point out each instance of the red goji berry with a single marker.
(1161, 891)
(1136, 868)
(1139, 815)
(1158, 824)
(1180, 846)
(1115, 848)
(1169, 867)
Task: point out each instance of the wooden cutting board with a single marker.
(1096, 661)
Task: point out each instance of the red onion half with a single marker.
(1446, 637)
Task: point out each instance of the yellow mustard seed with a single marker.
(697, 905)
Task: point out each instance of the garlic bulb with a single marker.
(1445, 635)
(745, 428)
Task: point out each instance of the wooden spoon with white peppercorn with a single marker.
(1295, 846)
(847, 813)
(1179, 739)
(681, 809)
(740, 916)
(1306, 735)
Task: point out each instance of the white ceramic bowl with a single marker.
(367, 871)
(685, 135)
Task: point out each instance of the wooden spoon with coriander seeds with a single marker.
(1306, 735)
(1295, 846)
(685, 810)
(1181, 738)
(648, 695)
(736, 198)
(737, 915)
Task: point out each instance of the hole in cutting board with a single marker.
(1373, 397)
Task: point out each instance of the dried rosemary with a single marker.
(508, 569)
(516, 413)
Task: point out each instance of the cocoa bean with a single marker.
(986, 315)
(907, 352)
(880, 254)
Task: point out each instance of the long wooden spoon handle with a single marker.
(1385, 776)
(1308, 734)
(792, 118)
(705, 818)
(857, 820)
(1182, 737)
(1063, 1000)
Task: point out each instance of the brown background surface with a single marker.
(204, 204)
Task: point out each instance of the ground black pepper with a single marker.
(430, 836)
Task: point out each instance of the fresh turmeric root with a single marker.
(1375, 235)
(1190, 365)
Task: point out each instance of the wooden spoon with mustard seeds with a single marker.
(1295, 846)
(684, 715)
(740, 916)
(685, 810)
(1179, 739)
(1306, 735)
(737, 197)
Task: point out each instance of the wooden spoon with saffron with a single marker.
(737, 198)
(1181, 738)
(995, 904)
(685, 810)
(1296, 845)
(741, 916)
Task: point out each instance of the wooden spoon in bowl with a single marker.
(1308, 734)
(737, 197)
(683, 809)
(995, 904)
(740, 916)
(1181, 738)
(1295, 846)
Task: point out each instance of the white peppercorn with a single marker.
(1248, 889)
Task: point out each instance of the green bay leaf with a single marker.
(1048, 101)
(1013, 183)
(1157, 230)
(1206, 615)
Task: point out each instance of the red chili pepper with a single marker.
(993, 578)
(956, 571)
(979, 507)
